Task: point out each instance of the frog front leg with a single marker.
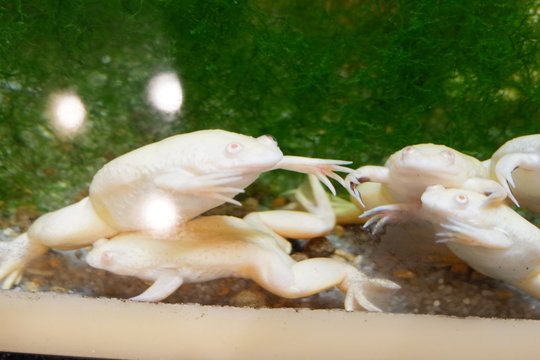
(321, 168)
(380, 216)
(465, 234)
(364, 174)
(493, 190)
(208, 185)
(510, 162)
(317, 220)
(166, 281)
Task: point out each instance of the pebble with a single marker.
(299, 256)
(404, 274)
(339, 230)
(279, 202)
(249, 298)
(319, 247)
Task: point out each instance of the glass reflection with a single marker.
(66, 113)
(165, 93)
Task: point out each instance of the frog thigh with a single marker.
(72, 227)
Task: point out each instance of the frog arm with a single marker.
(381, 215)
(167, 281)
(321, 168)
(465, 234)
(377, 174)
(510, 162)
(14, 255)
(208, 185)
(493, 190)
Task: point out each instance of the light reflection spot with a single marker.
(165, 92)
(159, 213)
(66, 113)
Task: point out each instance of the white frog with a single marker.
(409, 171)
(494, 240)
(213, 247)
(156, 188)
(394, 190)
(516, 164)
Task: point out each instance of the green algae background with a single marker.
(354, 80)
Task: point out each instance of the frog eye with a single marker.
(461, 199)
(234, 148)
(448, 155)
(406, 151)
(107, 258)
(268, 139)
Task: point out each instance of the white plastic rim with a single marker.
(70, 325)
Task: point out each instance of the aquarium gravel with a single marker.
(432, 280)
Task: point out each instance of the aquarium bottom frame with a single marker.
(72, 325)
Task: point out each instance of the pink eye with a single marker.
(268, 139)
(107, 258)
(462, 199)
(233, 148)
(406, 151)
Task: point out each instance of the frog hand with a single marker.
(360, 291)
(208, 185)
(465, 234)
(321, 168)
(495, 192)
(381, 215)
(14, 256)
(508, 163)
(378, 174)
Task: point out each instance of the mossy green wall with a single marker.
(346, 79)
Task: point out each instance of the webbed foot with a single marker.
(14, 256)
(360, 291)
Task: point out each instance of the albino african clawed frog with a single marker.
(157, 188)
(494, 240)
(408, 172)
(394, 190)
(214, 247)
(517, 163)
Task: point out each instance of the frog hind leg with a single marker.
(72, 227)
(317, 220)
(14, 255)
(308, 277)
